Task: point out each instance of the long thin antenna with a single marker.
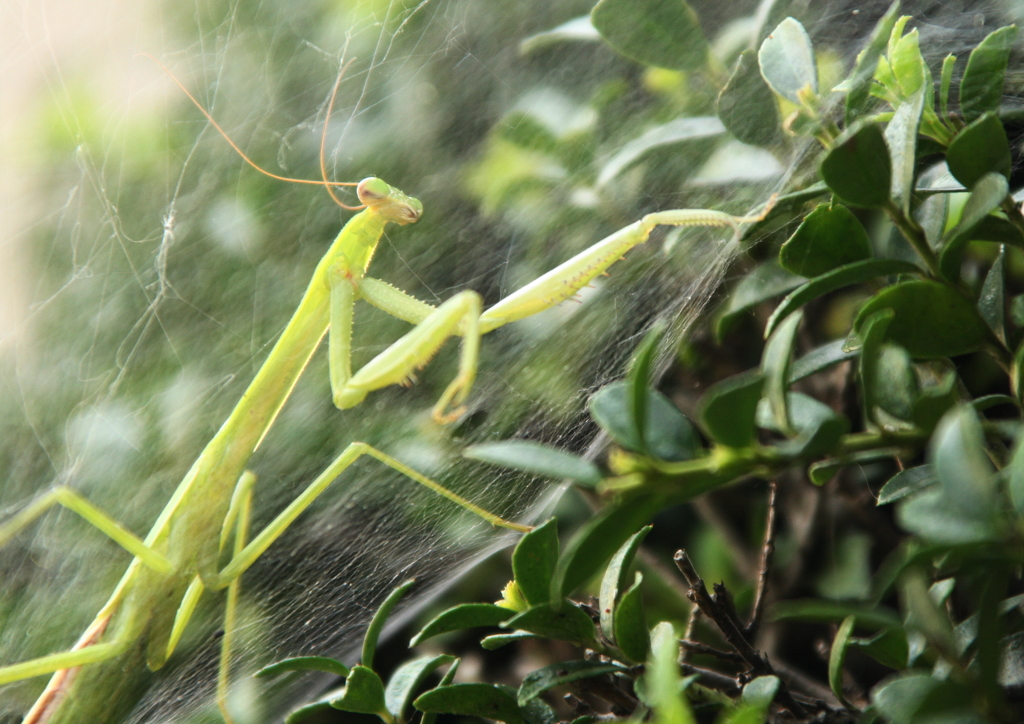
(323, 137)
(327, 184)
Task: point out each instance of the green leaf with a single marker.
(787, 60)
(596, 541)
(766, 281)
(857, 169)
(829, 237)
(304, 663)
(407, 679)
(901, 137)
(669, 434)
(820, 358)
(297, 716)
(931, 320)
(616, 579)
(896, 388)
(630, 624)
(946, 80)
(823, 471)
(760, 692)
(537, 682)
(746, 105)
(907, 482)
(898, 699)
(818, 428)
(961, 465)
(534, 560)
(537, 711)
(657, 139)
(837, 657)
(466, 615)
(775, 364)
(888, 647)
(380, 618)
(363, 694)
(981, 89)
(978, 149)
(859, 83)
(1015, 471)
(986, 196)
(665, 33)
(496, 641)
(430, 717)
(728, 408)
(816, 609)
(537, 459)
(575, 30)
(482, 700)
(931, 516)
(566, 623)
(662, 683)
(856, 273)
(992, 301)
(638, 378)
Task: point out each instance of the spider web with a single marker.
(148, 272)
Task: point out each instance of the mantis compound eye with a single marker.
(371, 190)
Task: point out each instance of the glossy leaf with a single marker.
(986, 196)
(907, 482)
(537, 459)
(363, 693)
(746, 105)
(981, 89)
(775, 364)
(931, 319)
(992, 300)
(616, 579)
(304, 663)
(888, 647)
(664, 33)
(537, 682)
(430, 717)
(933, 517)
(765, 282)
(855, 273)
(630, 624)
(379, 620)
(820, 358)
(961, 465)
(901, 137)
(978, 149)
(818, 428)
(534, 560)
(829, 237)
(859, 83)
(858, 169)
(466, 615)
(760, 692)
(408, 679)
(597, 539)
(496, 641)
(837, 657)
(669, 434)
(638, 379)
(565, 623)
(482, 700)
(728, 408)
(787, 60)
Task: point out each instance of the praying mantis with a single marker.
(207, 516)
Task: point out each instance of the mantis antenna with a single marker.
(323, 138)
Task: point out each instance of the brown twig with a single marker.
(719, 612)
(698, 648)
(714, 680)
(767, 551)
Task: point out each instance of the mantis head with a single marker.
(387, 201)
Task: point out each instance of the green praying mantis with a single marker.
(207, 517)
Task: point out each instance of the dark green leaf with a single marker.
(728, 408)
(596, 541)
(855, 273)
(1015, 472)
(630, 624)
(857, 168)
(823, 471)
(537, 682)
(775, 365)
(669, 434)
(537, 711)
(746, 104)
(665, 33)
(888, 647)
(817, 425)
(536, 458)
(787, 61)
(837, 657)
(931, 516)
(829, 237)
(534, 560)
(657, 139)
(898, 699)
(901, 136)
(767, 281)
(992, 301)
(305, 712)
(496, 641)
(820, 358)
(936, 399)
(978, 149)
(304, 663)
(566, 623)
(482, 700)
(981, 89)
(638, 378)
(828, 611)
(872, 333)
(407, 679)
(896, 389)
(430, 717)
(931, 320)
(906, 483)
(363, 693)
(379, 619)
(859, 83)
(616, 579)
(961, 465)
(466, 615)
(986, 196)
